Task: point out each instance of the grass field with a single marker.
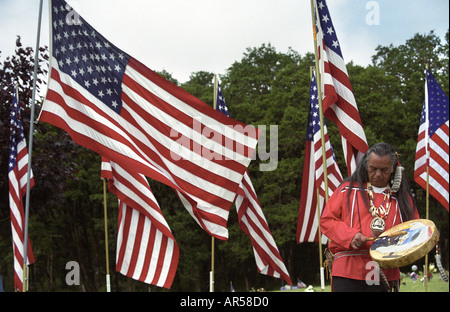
(434, 285)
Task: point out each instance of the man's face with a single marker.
(379, 169)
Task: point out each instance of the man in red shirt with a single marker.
(375, 198)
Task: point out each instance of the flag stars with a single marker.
(88, 59)
(330, 31)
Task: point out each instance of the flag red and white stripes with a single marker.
(433, 143)
(111, 103)
(253, 222)
(146, 250)
(18, 176)
(339, 104)
(313, 174)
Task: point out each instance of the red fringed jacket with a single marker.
(341, 221)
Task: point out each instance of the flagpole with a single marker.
(322, 275)
(322, 138)
(319, 92)
(428, 173)
(211, 274)
(108, 282)
(322, 272)
(30, 153)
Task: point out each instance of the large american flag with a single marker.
(313, 174)
(18, 176)
(253, 223)
(339, 104)
(146, 249)
(111, 103)
(433, 144)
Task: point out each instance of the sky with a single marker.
(186, 36)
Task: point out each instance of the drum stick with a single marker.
(395, 234)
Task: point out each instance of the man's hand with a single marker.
(358, 241)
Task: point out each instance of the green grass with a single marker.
(434, 285)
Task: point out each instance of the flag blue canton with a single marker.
(17, 135)
(84, 54)
(314, 117)
(221, 105)
(329, 35)
(437, 104)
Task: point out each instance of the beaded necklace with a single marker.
(381, 212)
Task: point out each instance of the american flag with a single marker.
(146, 249)
(313, 174)
(17, 175)
(433, 144)
(221, 105)
(113, 104)
(253, 223)
(339, 104)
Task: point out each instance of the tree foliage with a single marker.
(266, 87)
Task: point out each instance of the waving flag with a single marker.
(146, 250)
(221, 105)
(111, 103)
(313, 174)
(17, 176)
(433, 143)
(253, 223)
(339, 104)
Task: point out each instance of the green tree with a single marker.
(266, 87)
(403, 68)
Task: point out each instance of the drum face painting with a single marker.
(391, 250)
